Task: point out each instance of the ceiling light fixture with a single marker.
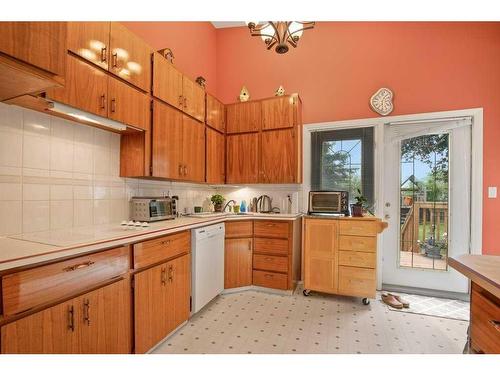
(280, 33)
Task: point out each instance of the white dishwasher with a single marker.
(208, 264)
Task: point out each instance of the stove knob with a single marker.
(145, 225)
(124, 222)
(131, 223)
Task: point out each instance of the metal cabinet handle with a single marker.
(185, 102)
(166, 242)
(250, 245)
(268, 275)
(103, 101)
(171, 274)
(78, 266)
(271, 225)
(185, 170)
(180, 101)
(114, 61)
(163, 276)
(180, 169)
(103, 54)
(113, 105)
(86, 311)
(495, 323)
(71, 318)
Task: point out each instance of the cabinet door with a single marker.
(41, 44)
(86, 88)
(167, 82)
(193, 149)
(279, 112)
(167, 142)
(320, 255)
(215, 146)
(128, 105)
(51, 331)
(215, 114)
(90, 40)
(242, 153)
(279, 157)
(150, 307)
(130, 57)
(105, 319)
(178, 291)
(193, 98)
(243, 117)
(237, 262)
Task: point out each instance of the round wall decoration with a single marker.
(381, 101)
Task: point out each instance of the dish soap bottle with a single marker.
(243, 206)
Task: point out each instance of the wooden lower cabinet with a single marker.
(96, 322)
(238, 262)
(485, 321)
(340, 255)
(162, 301)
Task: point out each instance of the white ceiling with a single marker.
(224, 24)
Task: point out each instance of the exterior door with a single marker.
(426, 186)
(321, 253)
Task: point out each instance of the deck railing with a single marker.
(424, 215)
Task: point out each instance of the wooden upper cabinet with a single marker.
(216, 157)
(86, 87)
(128, 105)
(167, 141)
(130, 57)
(90, 40)
(193, 98)
(193, 149)
(41, 44)
(280, 112)
(279, 157)
(167, 82)
(243, 117)
(242, 155)
(215, 116)
(32, 58)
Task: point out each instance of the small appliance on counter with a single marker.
(153, 208)
(333, 203)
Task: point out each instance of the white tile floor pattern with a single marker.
(259, 322)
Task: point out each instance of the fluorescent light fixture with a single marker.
(88, 117)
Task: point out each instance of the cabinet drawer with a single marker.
(358, 227)
(239, 229)
(357, 259)
(355, 243)
(360, 282)
(34, 287)
(270, 263)
(270, 279)
(271, 228)
(485, 323)
(271, 246)
(154, 251)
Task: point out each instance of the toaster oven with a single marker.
(329, 203)
(153, 208)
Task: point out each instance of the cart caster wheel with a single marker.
(365, 301)
(306, 292)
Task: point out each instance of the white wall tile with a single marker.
(36, 152)
(62, 129)
(101, 212)
(61, 155)
(83, 192)
(101, 161)
(11, 191)
(11, 118)
(83, 213)
(36, 216)
(61, 192)
(83, 158)
(36, 192)
(11, 148)
(36, 123)
(10, 217)
(61, 214)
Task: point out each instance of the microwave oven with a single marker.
(153, 208)
(329, 203)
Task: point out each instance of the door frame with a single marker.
(476, 235)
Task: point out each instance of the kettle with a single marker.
(264, 203)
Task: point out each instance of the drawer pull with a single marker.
(269, 259)
(271, 225)
(495, 324)
(86, 312)
(103, 54)
(114, 60)
(268, 275)
(78, 266)
(166, 242)
(71, 318)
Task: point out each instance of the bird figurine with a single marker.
(201, 81)
(168, 54)
(280, 91)
(244, 94)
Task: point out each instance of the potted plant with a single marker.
(357, 208)
(217, 201)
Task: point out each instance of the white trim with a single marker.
(377, 123)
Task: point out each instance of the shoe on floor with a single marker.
(405, 303)
(390, 300)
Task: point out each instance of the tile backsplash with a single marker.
(57, 174)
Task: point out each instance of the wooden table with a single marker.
(484, 274)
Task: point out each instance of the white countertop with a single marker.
(32, 248)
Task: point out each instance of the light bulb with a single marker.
(267, 32)
(295, 29)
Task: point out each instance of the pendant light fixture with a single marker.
(280, 34)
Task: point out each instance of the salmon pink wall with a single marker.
(193, 44)
(339, 65)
